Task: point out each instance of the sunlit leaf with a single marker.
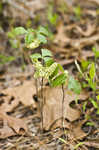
(46, 52)
(43, 30)
(34, 44)
(61, 68)
(91, 83)
(78, 145)
(92, 71)
(20, 31)
(35, 56)
(59, 80)
(97, 97)
(95, 104)
(29, 38)
(42, 38)
(90, 124)
(48, 61)
(84, 64)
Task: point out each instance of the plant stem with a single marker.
(36, 84)
(63, 105)
(42, 101)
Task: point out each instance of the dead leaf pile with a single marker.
(10, 99)
(75, 38)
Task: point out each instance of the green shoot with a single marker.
(96, 52)
(95, 105)
(85, 64)
(78, 145)
(90, 124)
(52, 17)
(78, 12)
(62, 140)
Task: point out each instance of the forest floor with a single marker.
(75, 31)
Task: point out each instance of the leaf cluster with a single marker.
(46, 68)
(33, 37)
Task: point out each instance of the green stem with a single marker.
(63, 105)
(42, 102)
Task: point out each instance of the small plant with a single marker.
(32, 39)
(88, 73)
(48, 70)
(88, 76)
(52, 17)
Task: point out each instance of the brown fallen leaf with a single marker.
(23, 93)
(77, 132)
(11, 126)
(52, 109)
(6, 131)
(11, 99)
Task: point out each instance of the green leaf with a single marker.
(92, 71)
(35, 56)
(63, 141)
(54, 73)
(29, 38)
(96, 52)
(61, 68)
(97, 97)
(59, 80)
(43, 30)
(11, 34)
(52, 17)
(41, 38)
(46, 52)
(78, 11)
(91, 83)
(31, 30)
(84, 64)
(74, 85)
(78, 145)
(95, 104)
(34, 44)
(90, 124)
(20, 31)
(84, 106)
(48, 61)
